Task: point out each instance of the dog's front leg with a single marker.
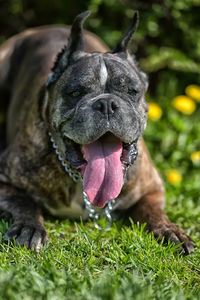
(149, 210)
(27, 228)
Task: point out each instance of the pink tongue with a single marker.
(103, 174)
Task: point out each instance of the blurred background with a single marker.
(167, 46)
(167, 42)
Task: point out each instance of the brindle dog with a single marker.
(92, 103)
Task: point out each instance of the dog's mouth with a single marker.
(102, 165)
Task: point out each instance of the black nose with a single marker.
(106, 106)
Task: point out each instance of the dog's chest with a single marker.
(67, 201)
(56, 191)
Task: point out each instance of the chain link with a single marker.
(72, 173)
(96, 215)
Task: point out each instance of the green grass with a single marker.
(122, 263)
(79, 262)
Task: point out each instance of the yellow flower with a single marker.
(173, 176)
(195, 157)
(184, 104)
(193, 91)
(155, 111)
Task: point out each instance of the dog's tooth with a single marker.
(82, 150)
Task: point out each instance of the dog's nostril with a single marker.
(114, 106)
(106, 106)
(100, 106)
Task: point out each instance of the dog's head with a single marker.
(97, 111)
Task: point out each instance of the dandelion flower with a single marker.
(195, 157)
(193, 91)
(174, 177)
(155, 111)
(184, 104)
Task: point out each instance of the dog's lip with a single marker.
(97, 137)
(75, 154)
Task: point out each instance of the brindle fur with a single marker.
(30, 174)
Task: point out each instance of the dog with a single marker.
(89, 107)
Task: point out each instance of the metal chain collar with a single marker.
(75, 175)
(96, 215)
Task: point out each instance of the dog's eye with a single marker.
(74, 94)
(132, 91)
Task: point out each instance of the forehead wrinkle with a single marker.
(125, 64)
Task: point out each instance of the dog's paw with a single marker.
(30, 233)
(171, 232)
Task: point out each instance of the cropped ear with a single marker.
(76, 39)
(122, 45)
(74, 48)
